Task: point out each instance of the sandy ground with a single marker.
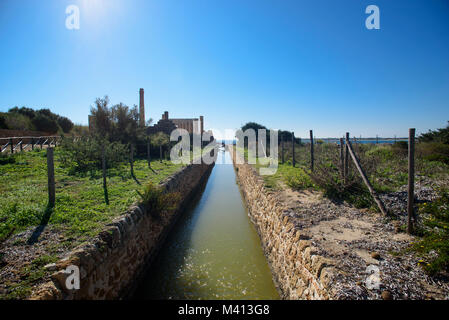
(369, 250)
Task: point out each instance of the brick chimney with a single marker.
(201, 124)
(141, 109)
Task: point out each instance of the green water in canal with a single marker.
(214, 251)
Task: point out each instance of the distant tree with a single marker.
(3, 122)
(253, 125)
(286, 135)
(160, 139)
(44, 119)
(46, 112)
(17, 121)
(80, 130)
(65, 123)
(102, 117)
(44, 123)
(125, 122)
(439, 135)
(118, 123)
(28, 112)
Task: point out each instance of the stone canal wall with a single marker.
(112, 263)
(298, 271)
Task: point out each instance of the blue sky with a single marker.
(293, 65)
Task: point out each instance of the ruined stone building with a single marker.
(167, 125)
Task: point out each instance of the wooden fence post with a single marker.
(257, 145)
(342, 159)
(282, 148)
(411, 180)
(32, 143)
(148, 152)
(11, 141)
(346, 171)
(103, 164)
(21, 146)
(293, 149)
(51, 177)
(311, 150)
(131, 159)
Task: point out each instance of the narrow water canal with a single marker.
(214, 251)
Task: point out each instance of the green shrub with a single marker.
(6, 159)
(400, 148)
(16, 121)
(327, 176)
(383, 153)
(85, 154)
(439, 135)
(44, 123)
(65, 123)
(435, 234)
(41, 120)
(3, 122)
(298, 179)
(80, 130)
(433, 151)
(13, 216)
(156, 201)
(27, 112)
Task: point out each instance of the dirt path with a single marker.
(369, 251)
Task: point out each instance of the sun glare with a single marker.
(97, 14)
(93, 5)
(96, 9)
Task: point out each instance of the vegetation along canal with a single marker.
(214, 251)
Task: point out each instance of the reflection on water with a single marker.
(214, 251)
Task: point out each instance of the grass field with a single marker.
(80, 208)
(387, 170)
